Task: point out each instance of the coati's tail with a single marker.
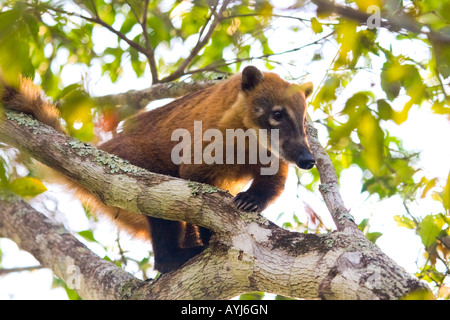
(28, 99)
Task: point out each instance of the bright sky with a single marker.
(422, 132)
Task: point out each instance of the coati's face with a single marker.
(275, 104)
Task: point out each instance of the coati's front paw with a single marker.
(248, 202)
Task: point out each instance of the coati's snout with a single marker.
(306, 160)
(297, 151)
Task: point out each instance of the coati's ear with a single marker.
(251, 77)
(307, 88)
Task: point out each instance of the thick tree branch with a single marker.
(247, 252)
(257, 257)
(55, 248)
(134, 100)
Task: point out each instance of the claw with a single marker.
(246, 202)
(248, 206)
(238, 202)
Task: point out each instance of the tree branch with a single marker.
(246, 253)
(329, 186)
(150, 50)
(19, 269)
(95, 18)
(134, 100)
(55, 248)
(395, 23)
(202, 41)
(221, 63)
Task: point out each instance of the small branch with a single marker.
(416, 223)
(220, 64)
(329, 185)
(151, 52)
(394, 23)
(4, 272)
(96, 19)
(200, 43)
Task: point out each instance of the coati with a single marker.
(250, 100)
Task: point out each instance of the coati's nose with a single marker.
(306, 160)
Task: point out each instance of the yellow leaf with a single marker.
(364, 4)
(371, 137)
(316, 26)
(27, 187)
(446, 197)
(421, 294)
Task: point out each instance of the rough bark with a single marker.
(132, 101)
(247, 252)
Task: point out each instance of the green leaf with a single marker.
(390, 86)
(406, 222)
(88, 235)
(358, 101)
(280, 297)
(3, 173)
(373, 236)
(441, 108)
(371, 136)
(442, 54)
(430, 274)
(429, 229)
(385, 110)
(252, 296)
(107, 13)
(446, 196)
(27, 187)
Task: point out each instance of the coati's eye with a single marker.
(277, 115)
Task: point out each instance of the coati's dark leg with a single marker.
(191, 237)
(200, 174)
(263, 190)
(165, 236)
(195, 236)
(205, 235)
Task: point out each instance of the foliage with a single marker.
(162, 41)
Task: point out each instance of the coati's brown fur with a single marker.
(251, 100)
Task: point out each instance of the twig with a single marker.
(416, 223)
(200, 43)
(221, 63)
(394, 23)
(96, 19)
(4, 272)
(151, 52)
